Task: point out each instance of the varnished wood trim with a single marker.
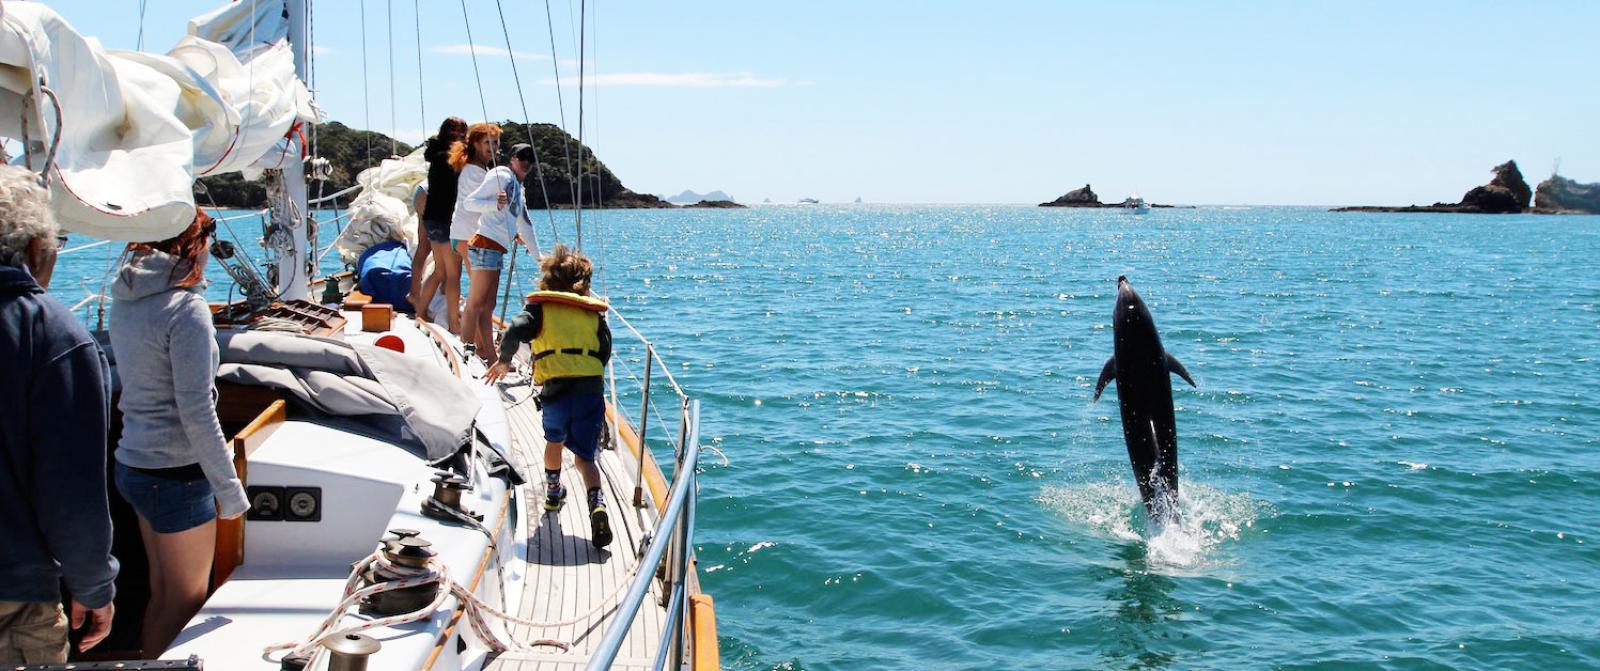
(438, 341)
(229, 552)
(652, 471)
(483, 565)
(702, 615)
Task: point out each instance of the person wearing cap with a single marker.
(502, 204)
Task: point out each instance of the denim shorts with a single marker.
(485, 259)
(438, 231)
(576, 419)
(169, 505)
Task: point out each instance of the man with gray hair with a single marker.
(55, 524)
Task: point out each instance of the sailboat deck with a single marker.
(566, 575)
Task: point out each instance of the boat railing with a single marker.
(672, 545)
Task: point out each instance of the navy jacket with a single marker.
(55, 398)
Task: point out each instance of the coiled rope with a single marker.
(480, 615)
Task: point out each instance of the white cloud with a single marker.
(483, 50)
(683, 79)
(321, 50)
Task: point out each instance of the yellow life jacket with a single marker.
(568, 341)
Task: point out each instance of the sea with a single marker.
(1391, 461)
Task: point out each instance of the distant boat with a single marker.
(809, 201)
(858, 200)
(1135, 205)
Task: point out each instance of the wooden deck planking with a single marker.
(567, 576)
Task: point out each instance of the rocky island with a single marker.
(1085, 197)
(1507, 193)
(1559, 195)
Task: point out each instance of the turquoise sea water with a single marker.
(1392, 460)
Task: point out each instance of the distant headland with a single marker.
(351, 150)
(1508, 193)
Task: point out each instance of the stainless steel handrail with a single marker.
(676, 520)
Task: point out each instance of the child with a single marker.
(571, 345)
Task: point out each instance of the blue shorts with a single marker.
(576, 419)
(437, 231)
(168, 504)
(485, 259)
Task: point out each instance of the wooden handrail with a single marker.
(229, 553)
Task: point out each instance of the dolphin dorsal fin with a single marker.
(1106, 375)
(1176, 366)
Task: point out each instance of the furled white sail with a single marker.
(383, 209)
(137, 128)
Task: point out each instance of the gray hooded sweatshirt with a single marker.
(166, 355)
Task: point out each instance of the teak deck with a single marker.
(567, 575)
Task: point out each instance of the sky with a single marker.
(1355, 102)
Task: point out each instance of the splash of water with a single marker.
(1210, 519)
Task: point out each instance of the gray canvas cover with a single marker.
(342, 378)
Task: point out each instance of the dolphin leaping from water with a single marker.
(1142, 370)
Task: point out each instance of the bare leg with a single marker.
(552, 456)
(481, 308)
(586, 468)
(449, 270)
(419, 266)
(469, 326)
(180, 571)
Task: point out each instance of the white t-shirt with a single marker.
(502, 224)
(464, 222)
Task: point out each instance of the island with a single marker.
(1506, 193)
(1085, 197)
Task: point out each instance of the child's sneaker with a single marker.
(555, 498)
(602, 526)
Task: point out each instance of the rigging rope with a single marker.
(140, 43)
(366, 99)
(527, 130)
(583, 11)
(472, 48)
(394, 127)
(561, 106)
(422, 104)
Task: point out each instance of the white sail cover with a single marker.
(383, 210)
(138, 128)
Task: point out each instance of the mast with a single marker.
(290, 214)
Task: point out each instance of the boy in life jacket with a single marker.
(571, 344)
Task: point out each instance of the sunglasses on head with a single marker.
(61, 241)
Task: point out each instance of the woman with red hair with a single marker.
(173, 465)
(472, 158)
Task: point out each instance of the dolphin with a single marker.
(1143, 372)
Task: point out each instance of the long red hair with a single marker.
(459, 152)
(191, 247)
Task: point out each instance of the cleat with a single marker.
(554, 499)
(602, 526)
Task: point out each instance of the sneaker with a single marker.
(602, 526)
(555, 498)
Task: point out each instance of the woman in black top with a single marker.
(434, 220)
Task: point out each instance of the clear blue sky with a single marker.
(1353, 102)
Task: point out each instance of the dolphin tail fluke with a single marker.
(1176, 366)
(1107, 374)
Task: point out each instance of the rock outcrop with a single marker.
(1507, 193)
(717, 204)
(1561, 195)
(1083, 197)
